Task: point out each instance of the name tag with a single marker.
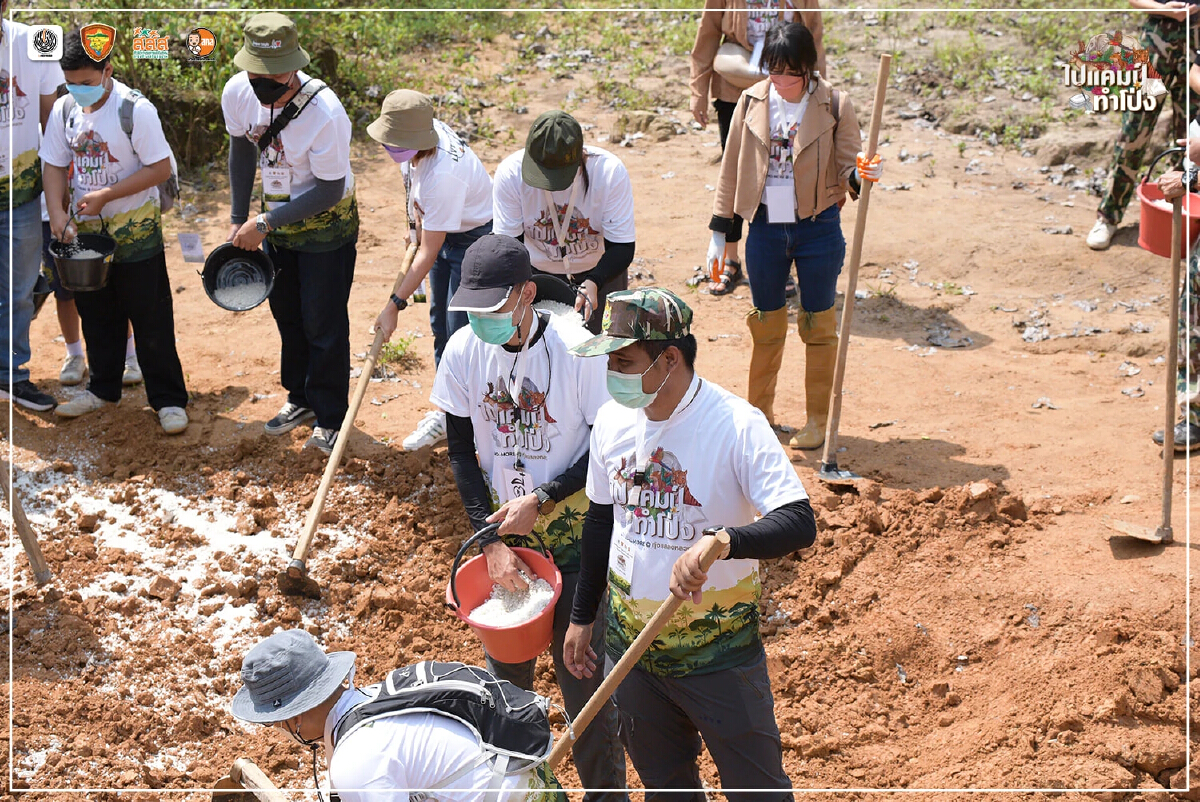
(622, 562)
(781, 204)
(277, 186)
(516, 484)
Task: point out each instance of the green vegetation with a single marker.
(396, 357)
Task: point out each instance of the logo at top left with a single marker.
(45, 43)
(98, 40)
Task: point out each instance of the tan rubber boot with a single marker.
(768, 330)
(819, 332)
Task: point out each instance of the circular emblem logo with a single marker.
(44, 41)
(201, 42)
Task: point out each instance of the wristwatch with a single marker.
(260, 223)
(546, 504)
(400, 303)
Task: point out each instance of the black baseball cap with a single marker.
(553, 151)
(491, 267)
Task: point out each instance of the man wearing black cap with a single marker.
(515, 395)
(291, 684)
(572, 205)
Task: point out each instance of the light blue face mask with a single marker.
(494, 328)
(86, 95)
(626, 388)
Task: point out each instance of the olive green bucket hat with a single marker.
(272, 46)
(405, 121)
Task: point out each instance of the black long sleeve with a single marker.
(593, 563)
(570, 481)
(781, 531)
(243, 165)
(616, 259)
(472, 489)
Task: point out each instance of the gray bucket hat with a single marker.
(286, 675)
(405, 121)
(272, 46)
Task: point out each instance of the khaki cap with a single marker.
(405, 121)
(272, 46)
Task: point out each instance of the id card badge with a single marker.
(622, 562)
(781, 204)
(277, 186)
(516, 483)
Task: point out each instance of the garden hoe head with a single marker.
(830, 475)
(295, 581)
(1162, 534)
(229, 791)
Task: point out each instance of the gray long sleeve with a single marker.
(324, 195)
(243, 165)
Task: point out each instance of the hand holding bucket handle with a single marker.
(1157, 158)
(487, 530)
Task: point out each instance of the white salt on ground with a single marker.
(506, 608)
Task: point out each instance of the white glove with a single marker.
(716, 252)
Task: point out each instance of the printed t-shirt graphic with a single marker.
(604, 212)
(20, 93)
(785, 120)
(450, 190)
(98, 154)
(759, 16)
(545, 426)
(315, 145)
(716, 463)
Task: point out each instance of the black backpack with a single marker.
(510, 723)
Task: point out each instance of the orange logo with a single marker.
(201, 42)
(98, 40)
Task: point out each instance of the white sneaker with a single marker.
(173, 419)
(429, 432)
(133, 372)
(81, 404)
(1100, 237)
(72, 370)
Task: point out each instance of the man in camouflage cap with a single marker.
(675, 459)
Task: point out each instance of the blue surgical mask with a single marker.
(626, 388)
(86, 95)
(494, 328)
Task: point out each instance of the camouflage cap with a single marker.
(649, 313)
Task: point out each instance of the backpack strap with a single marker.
(304, 96)
(67, 108)
(128, 103)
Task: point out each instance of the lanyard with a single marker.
(789, 120)
(642, 447)
(560, 226)
(515, 380)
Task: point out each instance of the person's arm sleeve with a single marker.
(243, 166)
(507, 216)
(704, 50)
(594, 544)
(329, 154)
(325, 194)
(847, 144)
(781, 531)
(54, 150)
(149, 142)
(472, 488)
(613, 262)
(722, 219)
(569, 482)
(51, 79)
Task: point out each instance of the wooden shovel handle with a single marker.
(1168, 476)
(300, 553)
(41, 571)
(668, 608)
(246, 774)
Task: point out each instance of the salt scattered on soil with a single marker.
(506, 608)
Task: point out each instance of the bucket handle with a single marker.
(1166, 152)
(487, 530)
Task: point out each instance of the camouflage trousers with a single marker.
(1167, 42)
(1187, 382)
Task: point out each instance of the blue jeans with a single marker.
(443, 283)
(17, 280)
(815, 246)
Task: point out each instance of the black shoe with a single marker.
(1187, 437)
(322, 439)
(28, 395)
(789, 289)
(288, 418)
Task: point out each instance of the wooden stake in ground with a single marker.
(41, 571)
(829, 471)
(295, 580)
(634, 653)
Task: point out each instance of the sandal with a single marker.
(730, 276)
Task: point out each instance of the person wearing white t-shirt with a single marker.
(789, 163)
(111, 178)
(572, 206)
(449, 197)
(674, 459)
(309, 219)
(519, 407)
(292, 685)
(28, 94)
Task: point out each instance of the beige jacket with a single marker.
(718, 27)
(823, 154)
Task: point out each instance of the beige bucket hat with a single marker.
(405, 121)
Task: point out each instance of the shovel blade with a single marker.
(830, 475)
(231, 791)
(303, 585)
(1159, 535)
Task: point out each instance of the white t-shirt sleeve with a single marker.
(449, 389)
(149, 142)
(444, 197)
(617, 219)
(231, 106)
(55, 151)
(764, 472)
(507, 216)
(51, 78)
(358, 778)
(598, 490)
(329, 157)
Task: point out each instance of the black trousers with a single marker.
(309, 306)
(138, 293)
(724, 120)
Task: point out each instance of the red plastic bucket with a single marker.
(470, 586)
(1154, 232)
